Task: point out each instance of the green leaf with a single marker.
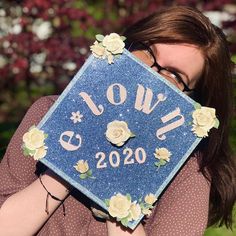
(142, 205)
(197, 105)
(217, 123)
(157, 164)
(124, 221)
(162, 162)
(89, 172)
(107, 202)
(148, 206)
(99, 37)
(83, 176)
(132, 135)
(25, 152)
(128, 196)
(45, 135)
(123, 38)
(31, 152)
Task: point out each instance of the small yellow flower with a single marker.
(199, 131)
(82, 166)
(98, 50)
(135, 211)
(150, 198)
(162, 154)
(40, 153)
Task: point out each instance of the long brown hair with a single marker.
(182, 24)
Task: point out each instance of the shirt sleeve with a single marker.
(16, 170)
(183, 208)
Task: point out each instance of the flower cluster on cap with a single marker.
(124, 210)
(108, 46)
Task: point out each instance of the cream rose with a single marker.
(40, 153)
(150, 198)
(118, 132)
(119, 206)
(162, 154)
(135, 211)
(113, 43)
(204, 117)
(34, 139)
(98, 50)
(82, 166)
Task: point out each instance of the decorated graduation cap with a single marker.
(119, 132)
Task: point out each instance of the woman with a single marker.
(183, 46)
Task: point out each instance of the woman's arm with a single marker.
(115, 229)
(23, 213)
(22, 196)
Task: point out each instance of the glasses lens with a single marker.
(146, 54)
(171, 77)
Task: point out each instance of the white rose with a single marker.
(98, 50)
(204, 117)
(150, 198)
(119, 206)
(118, 132)
(113, 43)
(162, 154)
(34, 139)
(135, 211)
(82, 166)
(40, 153)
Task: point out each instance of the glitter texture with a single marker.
(130, 168)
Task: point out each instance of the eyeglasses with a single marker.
(171, 76)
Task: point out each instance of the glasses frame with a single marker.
(160, 68)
